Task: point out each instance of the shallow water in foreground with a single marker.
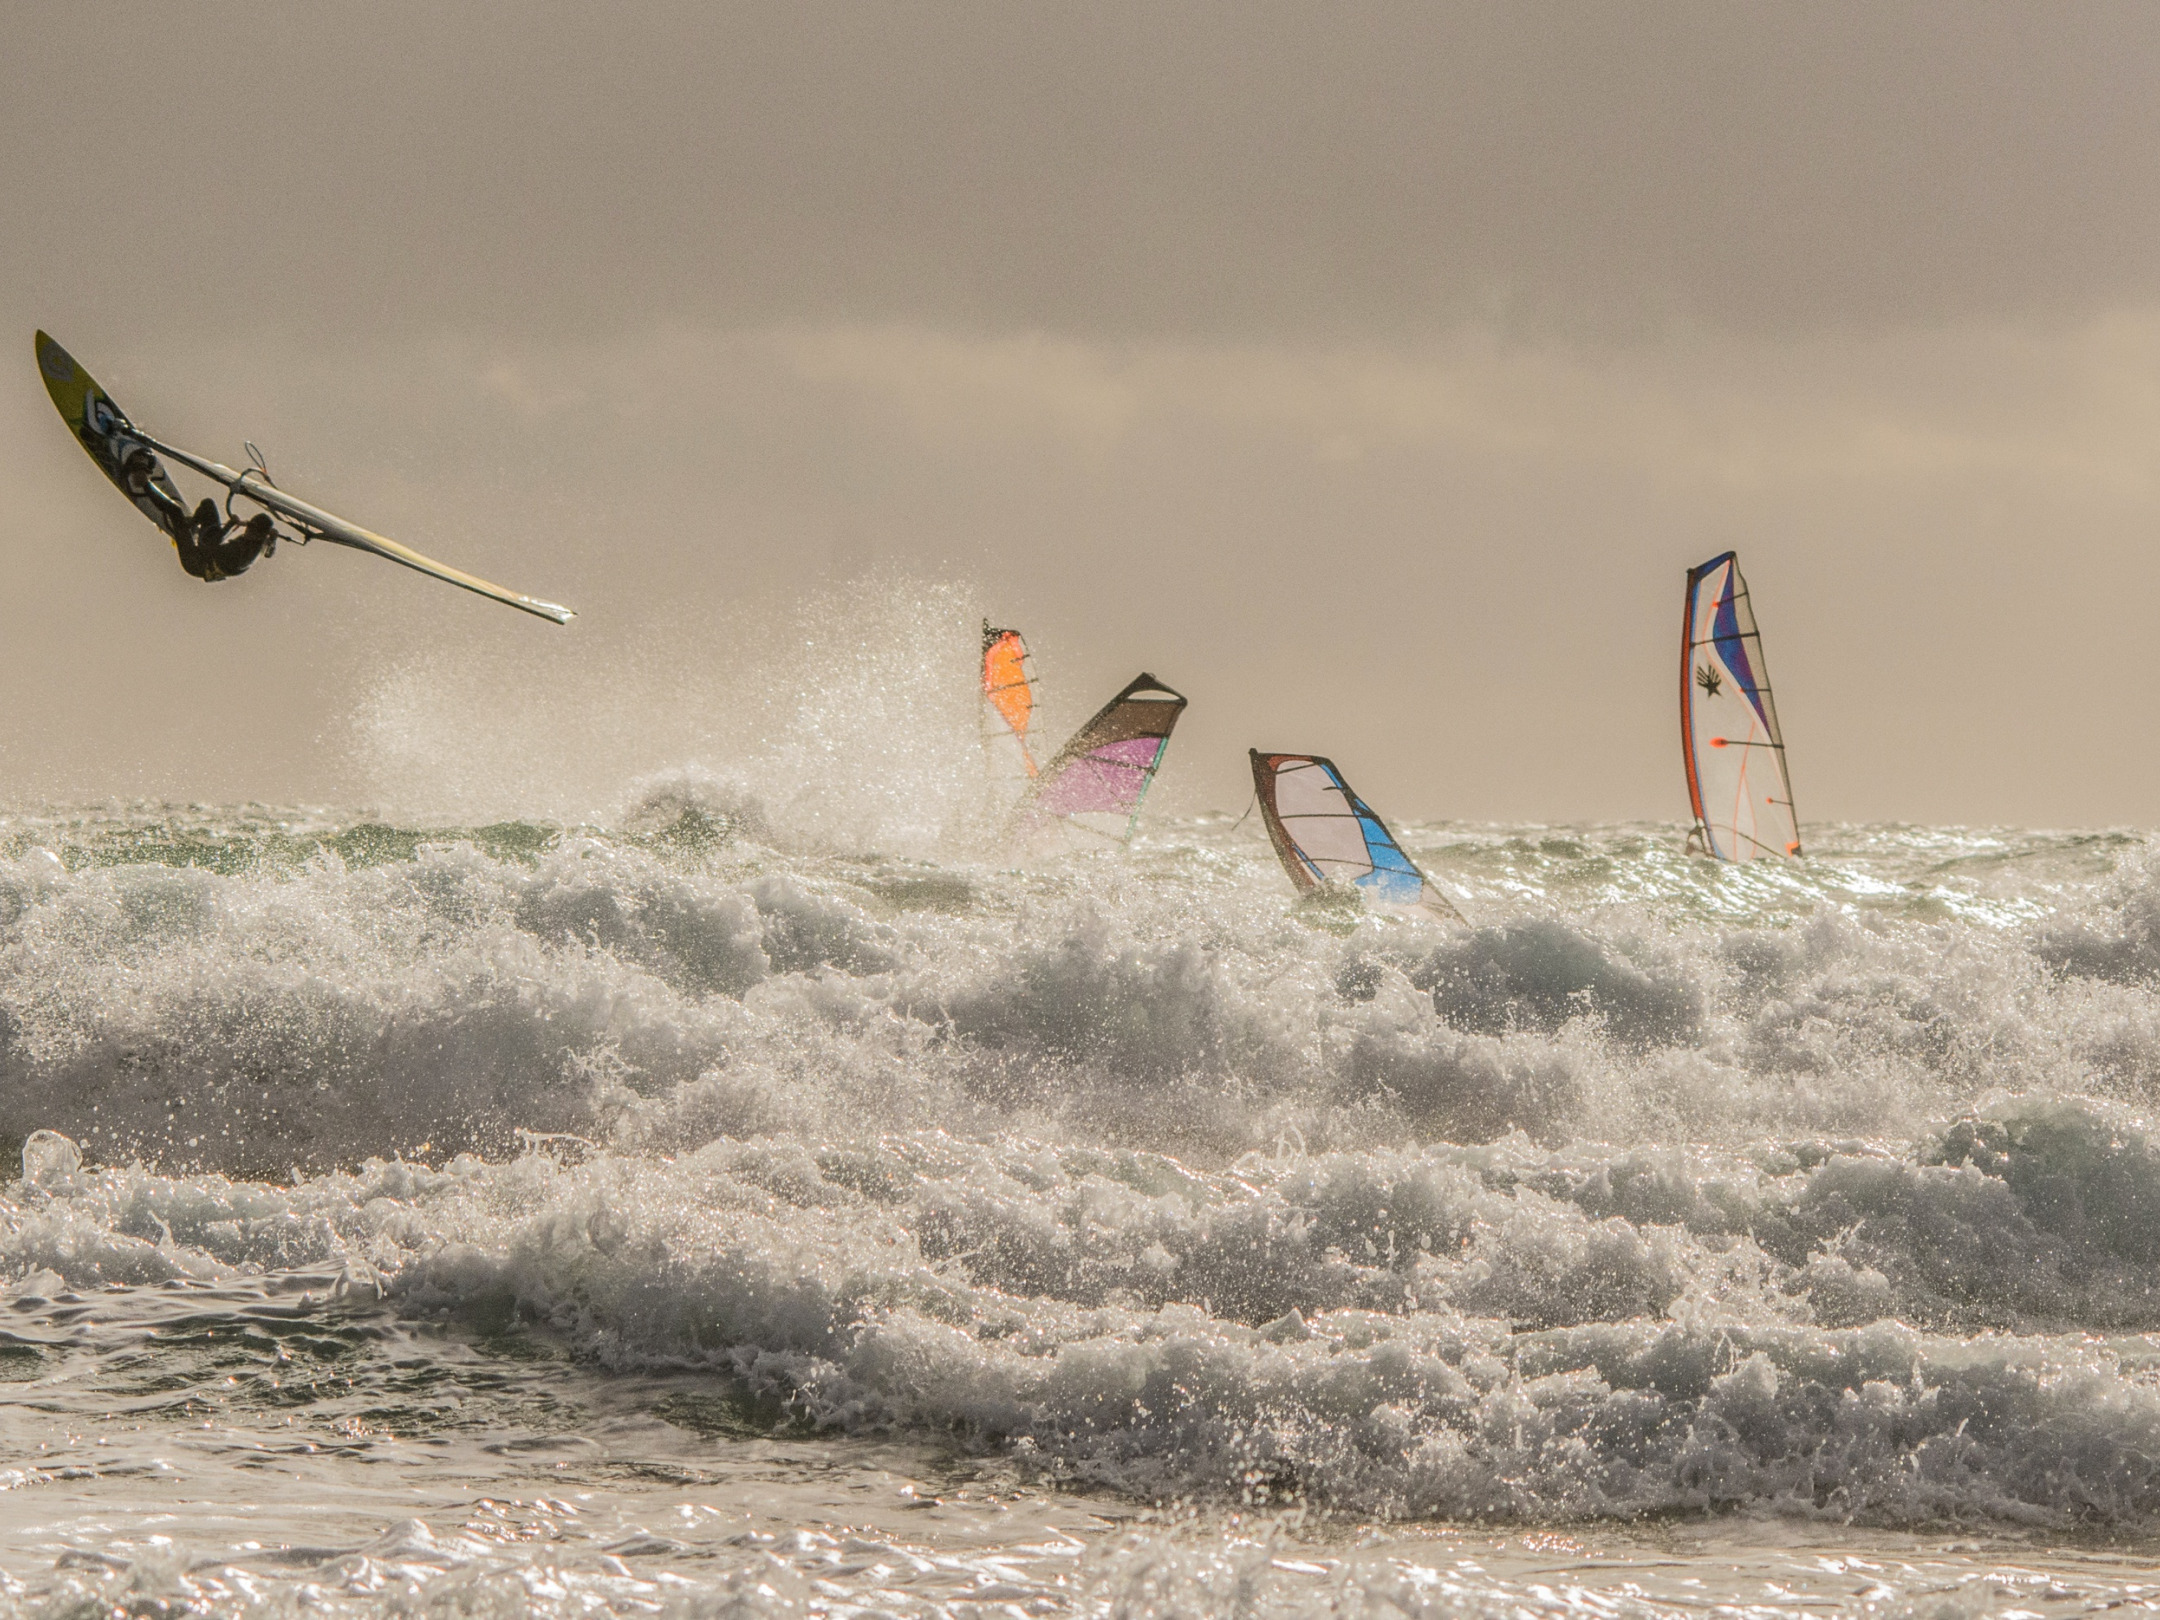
(694, 1214)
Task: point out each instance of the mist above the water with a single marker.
(843, 713)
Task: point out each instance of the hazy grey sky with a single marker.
(1370, 372)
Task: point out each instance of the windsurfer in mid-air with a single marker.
(219, 547)
(211, 547)
(214, 544)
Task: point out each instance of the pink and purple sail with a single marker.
(1096, 782)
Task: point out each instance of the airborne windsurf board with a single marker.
(129, 457)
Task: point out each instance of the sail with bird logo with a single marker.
(1735, 753)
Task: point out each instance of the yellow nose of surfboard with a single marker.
(69, 385)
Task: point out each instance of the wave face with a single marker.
(1824, 1192)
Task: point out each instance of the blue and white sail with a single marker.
(1735, 752)
(1326, 835)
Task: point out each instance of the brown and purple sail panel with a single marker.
(1096, 782)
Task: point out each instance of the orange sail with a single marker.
(1008, 684)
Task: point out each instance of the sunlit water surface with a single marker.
(704, 1213)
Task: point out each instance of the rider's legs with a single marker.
(197, 540)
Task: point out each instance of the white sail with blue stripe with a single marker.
(1737, 782)
(1326, 835)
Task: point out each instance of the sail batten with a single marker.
(1738, 785)
(1325, 835)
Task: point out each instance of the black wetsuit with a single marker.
(211, 548)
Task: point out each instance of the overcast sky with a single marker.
(1371, 373)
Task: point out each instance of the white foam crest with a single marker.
(740, 1259)
(335, 1009)
(1610, 1206)
(1410, 1333)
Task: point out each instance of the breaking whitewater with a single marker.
(697, 1214)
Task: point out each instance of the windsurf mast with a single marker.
(1737, 782)
(1325, 834)
(1096, 782)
